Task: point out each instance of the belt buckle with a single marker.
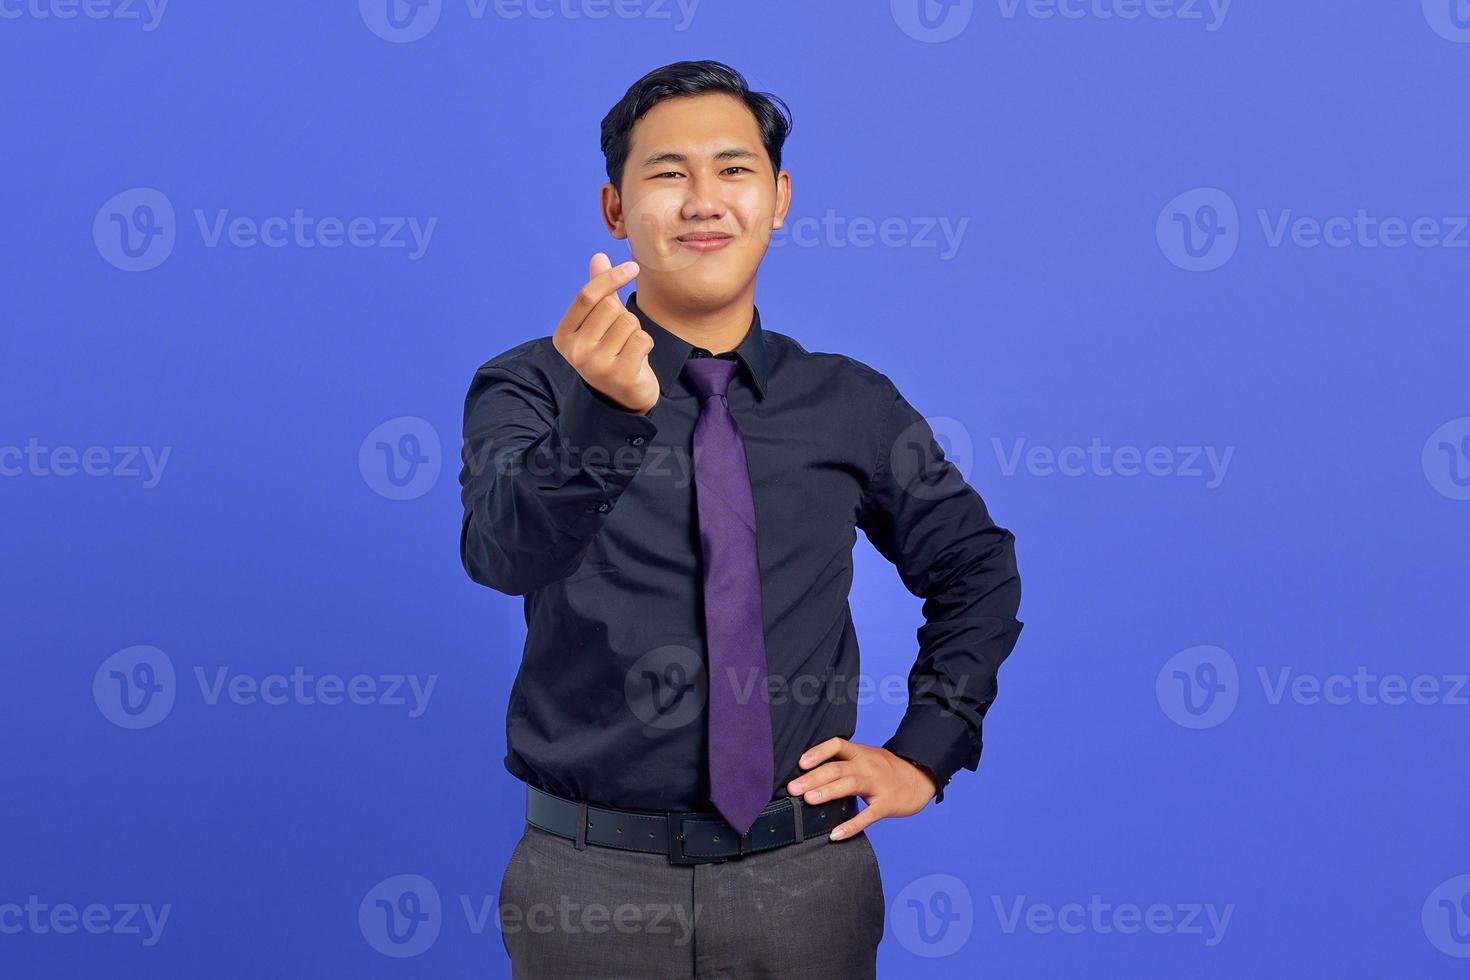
(676, 841)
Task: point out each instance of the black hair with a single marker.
(683, 78)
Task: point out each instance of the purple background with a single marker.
(1334, 542)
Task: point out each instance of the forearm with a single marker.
(535, 495)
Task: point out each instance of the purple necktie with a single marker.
(741, 760)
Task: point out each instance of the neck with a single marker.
(716, 329)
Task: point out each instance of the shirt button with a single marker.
(636, 440)
(603, 507)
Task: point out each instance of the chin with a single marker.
(701, 289)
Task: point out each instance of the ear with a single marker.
(783, 199)
(610, 203)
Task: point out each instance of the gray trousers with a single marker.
(813, 909)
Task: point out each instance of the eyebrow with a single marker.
(733, 153)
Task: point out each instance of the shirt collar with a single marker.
(670, 351)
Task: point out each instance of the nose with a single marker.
(704, 200)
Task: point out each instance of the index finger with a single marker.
(597, 289)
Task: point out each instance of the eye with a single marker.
(728, 169)
(668, 173)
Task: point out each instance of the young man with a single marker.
(675, 490)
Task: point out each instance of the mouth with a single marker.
(705, 241)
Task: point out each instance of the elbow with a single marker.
(486, 564)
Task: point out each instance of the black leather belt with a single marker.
(685, 837)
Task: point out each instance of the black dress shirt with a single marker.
(588, 511)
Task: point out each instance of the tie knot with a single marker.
(710, 375)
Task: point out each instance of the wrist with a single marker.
(923, 769)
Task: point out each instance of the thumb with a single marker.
(599, 264)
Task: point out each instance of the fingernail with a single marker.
(836, 834)
(630, 266)
(798, 787)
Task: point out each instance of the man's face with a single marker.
(696, 165)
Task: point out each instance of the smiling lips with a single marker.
(705, 241)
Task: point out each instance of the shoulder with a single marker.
(534, 363)
(842, 373)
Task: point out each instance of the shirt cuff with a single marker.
(937, 739)
(605, 440)
(600, 433)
